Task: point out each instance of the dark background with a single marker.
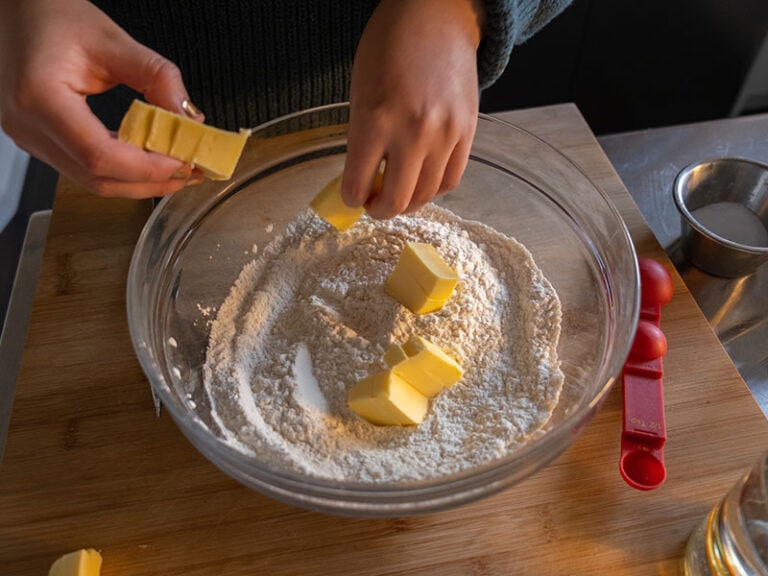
(638, 64)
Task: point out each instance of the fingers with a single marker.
(422, 161)
(430, 181)
(49, 151)
(457, 163)
(139, 190)
(126, 61)
(77, 130)
(408, 184)
(413, 101)
(50, 67)
(400, 179)
(80, 147)
(364, 156)
(157, 78)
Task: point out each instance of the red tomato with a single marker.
(656, 286)
(650, 342)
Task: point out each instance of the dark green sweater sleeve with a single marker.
(507, 24)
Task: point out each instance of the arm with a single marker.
(52, 55)
(413, 102)
(414, 95)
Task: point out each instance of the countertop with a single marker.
(88, 464)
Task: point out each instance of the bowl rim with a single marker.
(678, 194)
(384, 499)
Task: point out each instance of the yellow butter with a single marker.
(403, 288)
(162, 131)
(214, 151)
(385, 399)
(187, 139)
(394, 355)
(135, 126)
(429, 270)
(218, 152)
(85, 562)
(427, 368)
(329, 205)
(421, 280)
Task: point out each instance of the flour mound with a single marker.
(309, 317)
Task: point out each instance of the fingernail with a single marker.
(190, 109)
(194, 180)
(182, 173)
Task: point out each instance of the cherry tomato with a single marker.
(656, 287)
(650, 342)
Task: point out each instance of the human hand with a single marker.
(52, 55)
(414, 102)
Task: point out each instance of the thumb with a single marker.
(146, 71)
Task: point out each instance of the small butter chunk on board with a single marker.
(212, 150)
(385, 399)
(85, 562)
(424, 366)
(330, 206)
(421, 280)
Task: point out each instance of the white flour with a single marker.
(310, 317)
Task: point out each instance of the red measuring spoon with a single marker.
(644, 431)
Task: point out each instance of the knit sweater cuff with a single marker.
(508, 23)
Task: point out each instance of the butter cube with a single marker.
(85, 562)
(421, 280)
(403, 288)
(162, 131)
(187, 139)
(429, 270)
(329, 205)
(394, 355)
(427, 368)
(136, 123)
(385, 399)
(216, 152)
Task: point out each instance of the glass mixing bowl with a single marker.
(196, 242)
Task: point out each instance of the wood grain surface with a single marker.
(88, 464)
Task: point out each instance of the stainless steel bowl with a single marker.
(724, 208)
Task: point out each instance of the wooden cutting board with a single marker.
(88, 464)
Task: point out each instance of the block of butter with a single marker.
(162, 131)
(424, 366)
(214, 151)
(186, 140)
(394, 355)
(386, 399)
(421, 280)
(329, 205)
(136, 124)
(85, 562)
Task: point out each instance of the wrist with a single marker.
(471, 15)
